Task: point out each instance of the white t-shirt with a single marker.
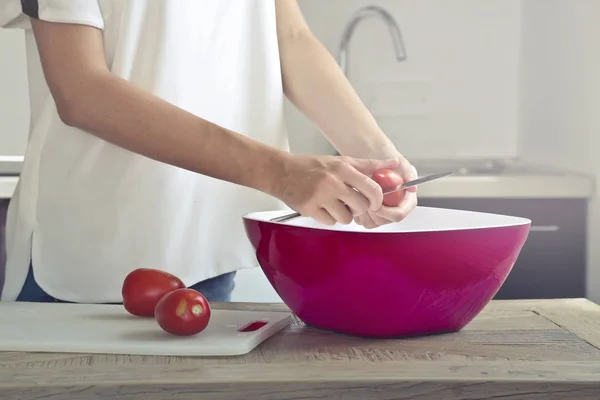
(87, 212)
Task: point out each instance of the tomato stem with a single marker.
(197, 309)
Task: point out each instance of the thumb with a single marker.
(410, 175)
(368, 166)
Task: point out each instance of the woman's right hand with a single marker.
(331, 189)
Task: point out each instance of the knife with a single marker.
(406, 185)
(418, 181)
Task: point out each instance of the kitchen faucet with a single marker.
(362, 13)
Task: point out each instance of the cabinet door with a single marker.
(552, 263)
(3, 211)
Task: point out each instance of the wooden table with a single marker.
(513, 350)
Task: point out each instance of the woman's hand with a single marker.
(331, 189)
(386, 215)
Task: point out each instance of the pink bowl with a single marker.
(431, 273)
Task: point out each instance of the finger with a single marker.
(360, 220)
(368, 166)
(409, 172)
(367, 221)
(398, 213)
(366, 186)
(340, 212)
(409, 204)
(415, 173)
(358, 203)
(379, 220)
(323, 217)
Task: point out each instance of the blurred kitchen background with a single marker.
(505, 92)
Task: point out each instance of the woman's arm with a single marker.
(315, 84)
(88, 96)
(91, 98)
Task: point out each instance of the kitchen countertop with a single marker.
(546, 349)
(475, 179)
(510, 187)
(503, 178)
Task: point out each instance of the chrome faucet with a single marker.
(362, 13)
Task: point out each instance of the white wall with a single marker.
(560, 100)
(456, 95)
(14, 96)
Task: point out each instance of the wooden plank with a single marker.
(357, 390)
(502, 314)
(510, 321)
(580, 316)
(179, 371)
(386, 380)
(532, 349)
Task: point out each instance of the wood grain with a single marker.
(546, 349)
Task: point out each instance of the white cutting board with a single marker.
(109, 329)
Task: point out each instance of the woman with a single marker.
(155, 125)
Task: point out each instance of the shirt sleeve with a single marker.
(16, 14)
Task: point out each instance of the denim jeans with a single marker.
(218, 288)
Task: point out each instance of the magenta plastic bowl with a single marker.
(431, 273)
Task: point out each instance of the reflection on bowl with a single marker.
(431, 273)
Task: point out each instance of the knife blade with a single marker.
(418, 181)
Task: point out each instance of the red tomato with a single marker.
(144, 287)
(389, 179)
(183, 312)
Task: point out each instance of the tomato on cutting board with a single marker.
(389, 179)
(144, 287)
(183, 312)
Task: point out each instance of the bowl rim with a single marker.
(511, 222)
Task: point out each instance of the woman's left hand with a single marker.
(386, 215)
